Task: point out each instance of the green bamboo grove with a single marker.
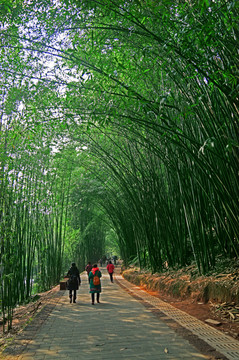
(116, 118)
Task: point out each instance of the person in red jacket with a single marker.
(110, 268)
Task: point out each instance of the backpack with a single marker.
(73, 279)
(96, 280)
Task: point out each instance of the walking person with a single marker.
(88, 269)
(73, 282)
(95, 284)
(110, 268)
(115, 259)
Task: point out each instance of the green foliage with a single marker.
(119, 132)
(111, 243)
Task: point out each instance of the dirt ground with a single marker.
(24, 314)
(203, 312)
(213, 297)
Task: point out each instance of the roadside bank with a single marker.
(214, 297)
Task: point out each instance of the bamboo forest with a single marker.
(119, 133)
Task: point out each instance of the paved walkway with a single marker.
(120, 327)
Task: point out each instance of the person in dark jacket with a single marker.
(73, 282)
(95, 289)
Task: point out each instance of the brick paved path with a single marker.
(120, 327)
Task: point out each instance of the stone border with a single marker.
(193, 339)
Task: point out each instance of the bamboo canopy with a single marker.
(119, 130)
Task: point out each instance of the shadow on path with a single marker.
(120, 327)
